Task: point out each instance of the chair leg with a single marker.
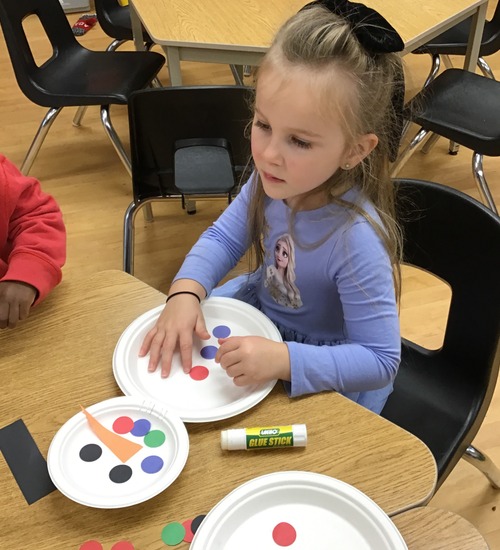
(436, 64)
(429, 144)
(237, 71)
(156, 83)
(482, 184)
(406, 154)
(128, 237)
(115, 140)
(44, 127)
(117, 144)
(115, 44)
(77, 119)
(483, 464)
(128, 232)
(485, 68)
(447, 62)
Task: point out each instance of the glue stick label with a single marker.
(272, 436)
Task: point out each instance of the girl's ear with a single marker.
(360, 150)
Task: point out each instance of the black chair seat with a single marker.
(440, 108)
(84, 77)
(454, 41)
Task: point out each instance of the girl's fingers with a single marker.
(241, 380)
(146, 344)
(230, 362)
(186, 351)
(166, 361)
(225, 345)
(13, 316)
(158, 347)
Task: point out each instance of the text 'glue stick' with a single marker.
(264, 437)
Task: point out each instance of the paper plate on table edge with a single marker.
(190, 400)
(321, 512)
(89, 483)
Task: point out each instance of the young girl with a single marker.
(324, 128)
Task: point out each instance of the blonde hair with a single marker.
(289, 275)
(318, 40)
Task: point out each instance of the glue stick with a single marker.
(264, 437)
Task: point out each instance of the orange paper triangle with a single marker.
(122, 448)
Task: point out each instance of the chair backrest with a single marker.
(456, 238)
(114, 19)
(442, 396)
(160, 118)
(58, 31)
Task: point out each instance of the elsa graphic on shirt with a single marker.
(280, 277)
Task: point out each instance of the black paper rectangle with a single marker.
(25, 461)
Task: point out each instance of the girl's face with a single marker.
(281, 255)
(295, 147)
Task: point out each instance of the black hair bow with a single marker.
(373, 31)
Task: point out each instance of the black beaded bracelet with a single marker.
(183, 292)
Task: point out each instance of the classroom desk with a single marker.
(239, 33)
(435, 529)
(61, 356)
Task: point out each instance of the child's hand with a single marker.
(16, 299)
(179, 319)
(253, 359)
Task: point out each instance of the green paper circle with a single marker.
(173, 533)
(155, 438)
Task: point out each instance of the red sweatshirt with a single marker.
(32, 232)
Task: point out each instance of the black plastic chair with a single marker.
(185, 142)
(442, 396)
(465, 108)
(454, 42)
(72, 75)
(114, 20)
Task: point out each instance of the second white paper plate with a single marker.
(300, 511)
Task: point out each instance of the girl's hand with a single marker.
(179, 319)
(253, 359)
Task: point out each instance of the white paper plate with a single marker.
(78, 474)
(319, 511)
(213, 398)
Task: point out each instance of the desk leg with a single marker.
(174, 65)
(475, 36)
(136, 29)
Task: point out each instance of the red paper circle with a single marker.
(198, 373)
(284, 534)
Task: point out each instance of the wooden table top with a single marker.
(251, 25)
(61, 356)
(435, 529)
